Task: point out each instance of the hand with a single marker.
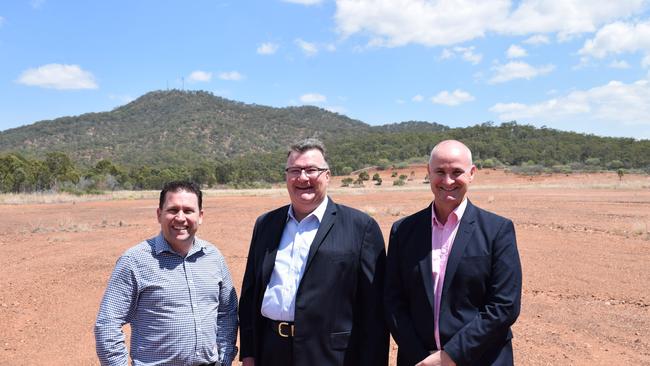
(438, 358)
(248, 361)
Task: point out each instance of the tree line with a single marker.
(522, 148)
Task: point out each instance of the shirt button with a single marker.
(199, 329)
(198, 353)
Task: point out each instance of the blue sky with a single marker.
(578, 65)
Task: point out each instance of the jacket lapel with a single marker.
(328, 221)
(276, 227)
(464, 234)
(424, 251)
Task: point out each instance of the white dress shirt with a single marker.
(279, 302)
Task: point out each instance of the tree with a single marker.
(378, 180)
(383, 164)
(376, 177)
(345, 182)
(620, 173)
(60, 169)
(364, 176)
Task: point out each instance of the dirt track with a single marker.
(583, 240)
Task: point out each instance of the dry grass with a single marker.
(631, 182)
(370, 210)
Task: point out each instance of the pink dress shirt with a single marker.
(442, 239)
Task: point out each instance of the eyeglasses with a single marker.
(310, 171)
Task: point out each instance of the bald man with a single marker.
(453, 275)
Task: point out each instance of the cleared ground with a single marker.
(583, 240)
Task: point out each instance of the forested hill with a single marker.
(166, 135)
(174, 127)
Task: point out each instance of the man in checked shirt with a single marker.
(174, 290)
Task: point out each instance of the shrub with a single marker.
(399, 182)
(345, 182)
(383, 164)
(615, 165)
(364, 176)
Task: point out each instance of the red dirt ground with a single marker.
(583, 240)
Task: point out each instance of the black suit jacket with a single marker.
(481, 293)
(339, 312)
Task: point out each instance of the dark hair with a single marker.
(308, 144)
(181, 185)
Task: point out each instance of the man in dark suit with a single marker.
(312, 289)
(453, 275)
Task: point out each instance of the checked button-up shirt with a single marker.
(182, 311)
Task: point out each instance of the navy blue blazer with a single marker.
(481, 294)
(339, 313)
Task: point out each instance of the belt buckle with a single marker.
(280, 324)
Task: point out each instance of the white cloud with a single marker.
(567, 17)
(58, 76)
(267, 48)
(452, 99)
(121, 98)
(646, 61)
(466, 53)
(308, 48)
(391, 23)
(400, 101)
(617, 38)
(304, 2)
(336, 109)
(200, 76)
(518, 70)
(612, 103)
(313, 98)
(515, 51)
(2, 20)
(537, 40)
(417, 98)
(619, 64)
(230, 75)
(37, 4)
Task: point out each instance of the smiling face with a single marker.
(450, 173)
(179, 219)
(307, 193)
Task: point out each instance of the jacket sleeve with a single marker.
(397, 313)
(374, 334)
(247, 311)
(502, 306)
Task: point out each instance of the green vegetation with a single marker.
(167, 135)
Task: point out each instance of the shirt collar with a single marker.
(457, 213)
(161, 245)
(319, 212)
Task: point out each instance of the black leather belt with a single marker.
(282, 328)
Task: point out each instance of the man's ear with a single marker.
(472, 172)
